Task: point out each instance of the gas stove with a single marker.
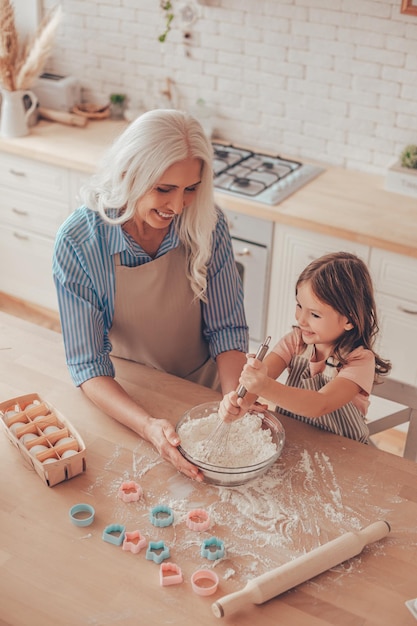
(262, 178)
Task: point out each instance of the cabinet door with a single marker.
(397, 340)
(77, 180)
(33, 177)
(394, 277)
(27, 258)
(23, 211)
(293, 250)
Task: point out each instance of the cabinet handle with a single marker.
(19, 211)
(408, 311)
(16, 173)
(22, 237)
(244, 252)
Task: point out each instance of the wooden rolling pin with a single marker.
(299, 570)
(62, 117)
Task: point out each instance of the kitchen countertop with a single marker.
(56, 574)
(343, 203)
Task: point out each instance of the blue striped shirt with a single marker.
(84, 275)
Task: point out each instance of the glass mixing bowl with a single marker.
(214, 472)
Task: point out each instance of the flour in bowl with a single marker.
(247, 444)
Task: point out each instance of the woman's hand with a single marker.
(162, 435)
(254, 375)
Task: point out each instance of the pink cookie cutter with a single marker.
(134, 542)
(130, 491)
(170, 574)
(204, 582)
(198, 520)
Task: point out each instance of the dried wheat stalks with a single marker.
(9, 45)
(37, 50)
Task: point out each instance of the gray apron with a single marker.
(157, 320)
(347, 421)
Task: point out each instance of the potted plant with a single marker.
(117, 105)
(402, 176)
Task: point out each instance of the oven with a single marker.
(267, 180)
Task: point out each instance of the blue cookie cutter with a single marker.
(152, 555)
(110, 536)
(212, 548)
(88, 514)
(166, 519)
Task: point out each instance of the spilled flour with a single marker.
(247, 442)
(295, 507)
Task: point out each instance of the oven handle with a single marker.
(244, 252)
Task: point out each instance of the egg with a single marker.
(51, 459)
(39, 418)
(37, 449)
(68, 453)
(14, 427)
(50, 429)
(64, 440)
(28, 437)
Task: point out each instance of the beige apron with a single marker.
(347, 421)
(158, 322)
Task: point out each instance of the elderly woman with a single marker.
(144, 270)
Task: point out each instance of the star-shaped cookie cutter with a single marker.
(170, 574)
(161, 516)
(134, 542)
(130, 491)
(212, 548)
(152, 553)
(114, 533)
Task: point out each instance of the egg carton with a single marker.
(29, 422)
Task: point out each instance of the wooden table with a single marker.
(53, 572)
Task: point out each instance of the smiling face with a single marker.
(169, 196)
(320, 323)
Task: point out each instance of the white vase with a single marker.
(14, 117)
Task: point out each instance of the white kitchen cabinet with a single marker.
(77, 180)
(293, 250)
(394, 277)
(34, 202)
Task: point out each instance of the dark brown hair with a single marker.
(342, 281)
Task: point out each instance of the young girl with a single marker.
(329, 354)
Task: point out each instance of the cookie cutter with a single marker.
(212, 548)
(166, 519)
(170, 574)
(82, 508)
(198, 520)
(152, 555)
(134, 542)
(130, 491)
(204, 575)
(110, 534)
(412, 607)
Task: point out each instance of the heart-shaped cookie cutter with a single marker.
(170, 574)
(114, 533)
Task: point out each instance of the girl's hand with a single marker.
(232, 407)
(254, 375)
(162, 435)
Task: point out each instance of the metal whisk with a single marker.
(216, 443)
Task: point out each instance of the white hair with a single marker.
(137, 160)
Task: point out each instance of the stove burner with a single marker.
(265, 178)
(242, 182)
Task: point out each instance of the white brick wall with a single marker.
(334, 80)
